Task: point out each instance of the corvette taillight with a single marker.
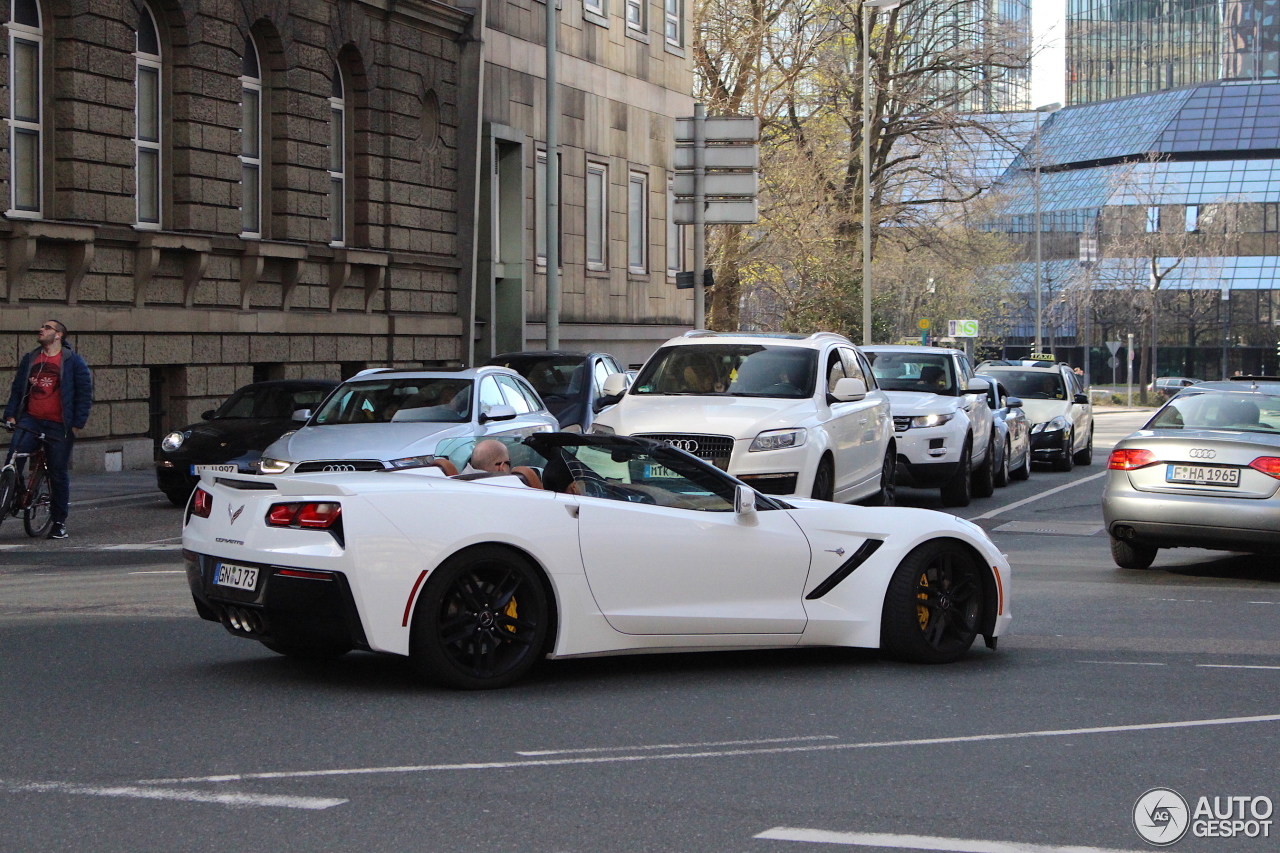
(1127, 459)
(1269, 465)
(313, 515)
(202, 503)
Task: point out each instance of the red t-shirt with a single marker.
(44, 400)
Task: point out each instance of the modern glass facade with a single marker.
(1117, 48)
(999, 30)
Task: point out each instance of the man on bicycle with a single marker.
(51, 394)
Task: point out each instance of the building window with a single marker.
(675, 233)
(637, 222)
(635, 15)
(1193, 218)
(1271, 217)
(26, 122)
(595, 7)
(1153, 219)
(147, 109)
(597, 216)
(337, 160)
(250, 143)
(673, 27)
(540, 208)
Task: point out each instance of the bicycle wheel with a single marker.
(8, 490)
(38, 517)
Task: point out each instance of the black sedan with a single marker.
(569, 383)
(232, 437)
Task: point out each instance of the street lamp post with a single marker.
(1225, 310)
(551, 216)
(867, 7)
(1035, 187)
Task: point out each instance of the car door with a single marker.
(665, 553)
(871, 419)
(1081, 413)
(980, 414)
(530, 417)
(840, 423)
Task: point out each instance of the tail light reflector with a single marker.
(1129, 459)
(1269, 465)
(314, 515)
(202, 503)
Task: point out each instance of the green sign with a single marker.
(962, 328)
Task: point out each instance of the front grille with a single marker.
(901, 422)
(339, 465)
(716, 449)
(771, 484)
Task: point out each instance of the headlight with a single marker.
(1058, 424)
(601, 429)
(173, 441)
(777, 439)
(273, 466)
(932, 420)
(411, 462)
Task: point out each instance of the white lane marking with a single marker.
(167, 539)
(726, 753)
(132, 547)
(143, 793)
(672, 745)
(10, 547)
(1233, 666)
(1003, 509)
(1123, 662)
(1251, 602)
(164, 572)
(920, 842)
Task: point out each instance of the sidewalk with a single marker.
(118, 484)
(1120, 410)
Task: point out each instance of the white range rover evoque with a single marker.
(786, 414)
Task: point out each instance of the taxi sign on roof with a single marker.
(1042, 356)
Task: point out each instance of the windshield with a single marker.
(1235, 412)
(1033, 384)
(399, 400)
(558, 379)
(730, 370)
(923, 371)
(269, 401)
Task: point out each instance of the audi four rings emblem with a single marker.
(339, 468)
(1202, 453)
(688, 445)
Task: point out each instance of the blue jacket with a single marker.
(77, 388)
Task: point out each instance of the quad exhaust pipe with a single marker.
(244, 620)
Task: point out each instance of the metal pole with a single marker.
(1036, 192)
(1226, 327)
(1155, 333)
(699, 215)
(1128, 355)
(866, 176)
(553, 182)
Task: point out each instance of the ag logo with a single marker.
(1160, 816)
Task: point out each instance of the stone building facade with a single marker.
(179, 282)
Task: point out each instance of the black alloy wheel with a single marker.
(958, 491)
(8, 491)
(888, 494)
(824, 480)
(1066, 457)
(1085, 457)
(481, 621)
(934, 605)
(1132, 555)
(1002, 469)
(38, 516)
(984, 476)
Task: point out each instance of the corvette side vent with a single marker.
(245, 485)
(865, 550)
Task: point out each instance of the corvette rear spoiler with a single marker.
(287, 486)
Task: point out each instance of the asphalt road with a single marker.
(113, 689)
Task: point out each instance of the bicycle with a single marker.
(34, 498)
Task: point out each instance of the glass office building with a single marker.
(1117, 48)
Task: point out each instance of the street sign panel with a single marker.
(962, 328)
(923, 325)
(720, 184)
(736, 212)
(1114, 346)
(721, 157)
(721, 129)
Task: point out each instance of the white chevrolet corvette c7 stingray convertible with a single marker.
(594, 545)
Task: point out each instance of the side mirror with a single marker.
(849, 390)
(301, 416)
(498, 413)
(977, 385)
(615, 384)
(1081, 399)
(603, 403)
(1013, 402)
(208, 416)
(744, 500)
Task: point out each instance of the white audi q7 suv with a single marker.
(787, 414)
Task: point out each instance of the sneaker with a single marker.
(59, 531)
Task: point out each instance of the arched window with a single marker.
(147, 109)
(250, 143)
(26, 125)
(337, 160)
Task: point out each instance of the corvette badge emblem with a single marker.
(236, 514)
(839, 552)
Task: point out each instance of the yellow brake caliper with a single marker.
(510, 610)
(922, 612)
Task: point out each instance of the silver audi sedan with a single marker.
(1204, 472)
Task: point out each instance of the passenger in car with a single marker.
(490, 455)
